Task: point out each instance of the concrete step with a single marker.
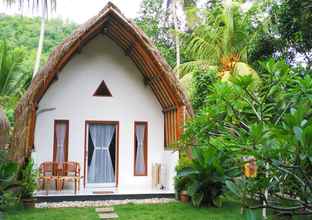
(104, 210)
(107, 216)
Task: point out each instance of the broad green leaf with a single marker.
(250, 215)
(233, 188)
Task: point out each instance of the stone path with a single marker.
(106, 213)
(105, 203)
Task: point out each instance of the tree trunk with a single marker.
(177, 40)
(41, 38)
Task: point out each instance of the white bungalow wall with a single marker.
(71, 98)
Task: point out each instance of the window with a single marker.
(102, 90)
(60, 147)
(140, 148)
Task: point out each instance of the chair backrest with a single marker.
(71, 169)
(48, 168)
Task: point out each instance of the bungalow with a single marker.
(107, 100)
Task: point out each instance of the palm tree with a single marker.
(11, 82)
(45, 6)
(221, 43)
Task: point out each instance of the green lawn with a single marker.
(171, 211)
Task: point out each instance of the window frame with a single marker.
(145, 123)
(66, 139)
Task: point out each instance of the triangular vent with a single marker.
(102, 90)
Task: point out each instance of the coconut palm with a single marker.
(11, 82)
(221, 43)
(45, 6)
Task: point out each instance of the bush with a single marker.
(15, 182)
(204, 178)
(9, 187)
(28, 180)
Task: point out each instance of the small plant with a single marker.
(205, 177)
(28, 180)
(9, 187)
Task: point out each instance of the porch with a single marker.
(99, 194)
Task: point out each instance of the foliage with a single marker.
(222, 42)
(15, 182)
(287, 34)
(180, 183)
(204, 178)
(28, 179)
(293, 22)
(18, 54)
(9, 103)
(151, 21)
(22, 34)
(201, 84)
(9, 196)
(270, 122)
(10, 80)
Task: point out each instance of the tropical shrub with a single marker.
(180, 183)
(28, 176)
(204, 178)
(15, 182)
(9, 187)
(270, 122)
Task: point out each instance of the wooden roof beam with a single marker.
(148, 81)
(129, 49)
(169, 109)
(107, 25)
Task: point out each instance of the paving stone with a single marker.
(104, 210)
(77, 204)
(107, 216)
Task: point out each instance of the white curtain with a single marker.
(101, 169)
(140, 161)
(60, 132)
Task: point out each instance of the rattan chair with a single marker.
(48, 172)
(70, 173)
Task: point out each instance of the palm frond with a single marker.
(193, 67)
(47, 5)
(10, 79)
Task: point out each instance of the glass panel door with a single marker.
(101, 155)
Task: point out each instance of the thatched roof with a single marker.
(4, 129)
(112, 23)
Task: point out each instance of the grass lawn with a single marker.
(170, 211)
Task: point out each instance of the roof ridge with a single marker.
(112, 6)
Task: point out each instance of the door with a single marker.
(102, 154)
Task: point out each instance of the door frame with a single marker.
(97, 122)
(66, 122)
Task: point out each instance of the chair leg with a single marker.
(47, 186)
(75, 183)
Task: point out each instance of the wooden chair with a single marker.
(70, 172)
(48, 171)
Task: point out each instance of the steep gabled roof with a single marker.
(112, 23)
(136, 45)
